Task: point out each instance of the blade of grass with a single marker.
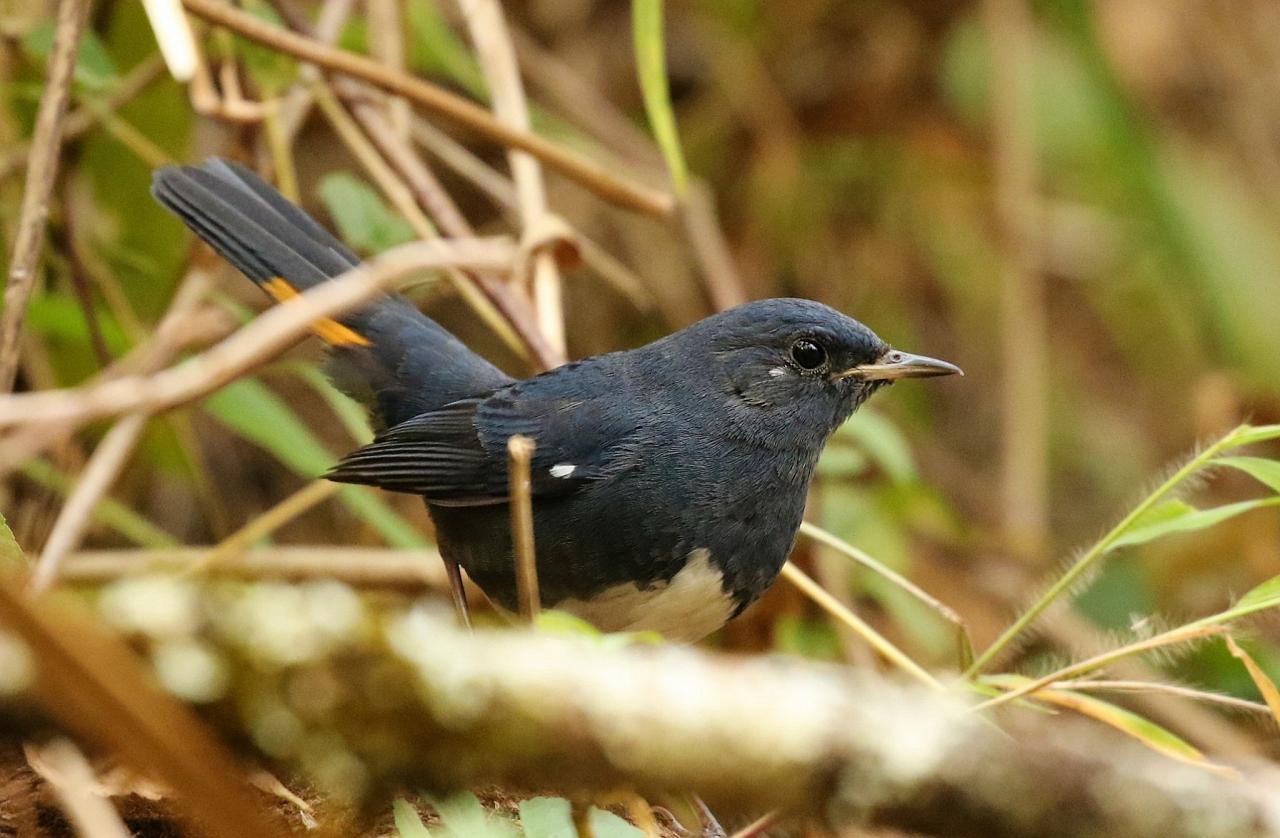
(964, 644)
(1264, 683)
(256, 413)
(11, 557)
(836, 609)
(1105, 685)
(1243, 435)
(1144, 730)
(1182, 634)
(1183, 517)
(350, 413)
(651, 70)
(309, 496)
(1263, 470)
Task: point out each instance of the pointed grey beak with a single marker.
(896, 364)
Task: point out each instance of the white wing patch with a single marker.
(687, 608)
(562, 469)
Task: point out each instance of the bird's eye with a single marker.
(808, 354)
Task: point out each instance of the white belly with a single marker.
(687, 608)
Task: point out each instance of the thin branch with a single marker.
(263, 525)
(73, 780)
(181, 326)
(386, 44)
(42, 171)
(836, 609)
(366, 567)
(420, 186)
(268, 335)
(95, 481)
(438, 100)
(466, 163)
(1182, 634)
(702, 227)
(83, 119)
(492, 40)
(519, 454)
(1161, 688)
(509, 329)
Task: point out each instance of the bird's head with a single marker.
(794, 370)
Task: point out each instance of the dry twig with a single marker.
(519, 454)
(489, 34)
(256, 343)
(591, 175)
(94, 482)
(42, 170)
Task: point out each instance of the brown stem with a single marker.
(46, 144)
(438, 100)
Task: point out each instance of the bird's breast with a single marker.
(687, 607)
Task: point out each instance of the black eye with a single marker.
(808, 354)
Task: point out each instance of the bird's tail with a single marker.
(388, 354)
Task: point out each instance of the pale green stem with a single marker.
(1100, 549)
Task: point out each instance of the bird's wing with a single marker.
(458, 454)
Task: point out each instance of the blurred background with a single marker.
(1076, 202)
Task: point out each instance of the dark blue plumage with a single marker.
(669, 481)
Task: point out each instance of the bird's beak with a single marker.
(896, 364)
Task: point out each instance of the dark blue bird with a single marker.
(668, 481)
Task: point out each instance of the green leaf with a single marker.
(1250, 434)
(1144, 730)
(463, 816)
(1161, 513)
(253, 411)
(350, 412)
(271, 71)
(651, 69)
(547, 817)
(562, 622)
(1263, 470)
(94, 67)
(435, 50)
(605, 824)
(363, 219)
(11, 558)
(408, 822)
(1185, 518)
(1264, 595)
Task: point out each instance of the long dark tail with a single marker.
(388, 354)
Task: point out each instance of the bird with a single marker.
(668, 482)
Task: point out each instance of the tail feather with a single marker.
(252, 226)
(388, 354)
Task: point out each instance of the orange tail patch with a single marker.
(329, 330)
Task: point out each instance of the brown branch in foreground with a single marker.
(269, 334)
(438, 100)
(456, 709)
(46, 147)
